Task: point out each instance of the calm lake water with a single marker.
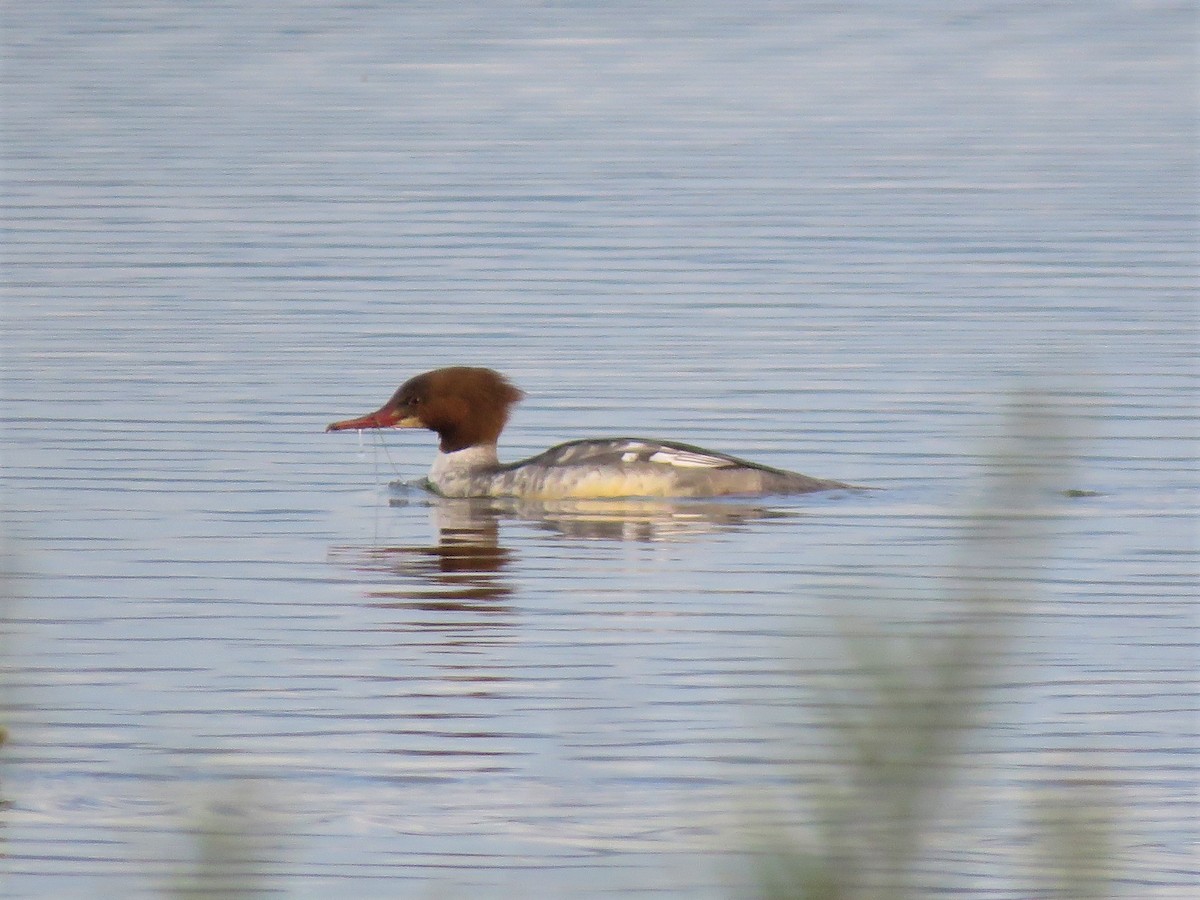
(830, 237)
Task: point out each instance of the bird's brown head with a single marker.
(463, 404)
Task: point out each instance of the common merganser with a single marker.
(468, 408)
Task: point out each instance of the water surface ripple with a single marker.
(831, 238)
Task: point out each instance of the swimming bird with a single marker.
(468, 408)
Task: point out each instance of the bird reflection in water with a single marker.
(635, 519)
(464, 570)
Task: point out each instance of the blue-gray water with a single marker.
(833, 238)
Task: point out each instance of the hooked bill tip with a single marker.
(382, 418)
(352, 424)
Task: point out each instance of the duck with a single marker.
(468, 407)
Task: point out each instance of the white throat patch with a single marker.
(461, 463)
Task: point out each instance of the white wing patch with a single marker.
(687, 459)
(622, 452)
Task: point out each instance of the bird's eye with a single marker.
(414, 401)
